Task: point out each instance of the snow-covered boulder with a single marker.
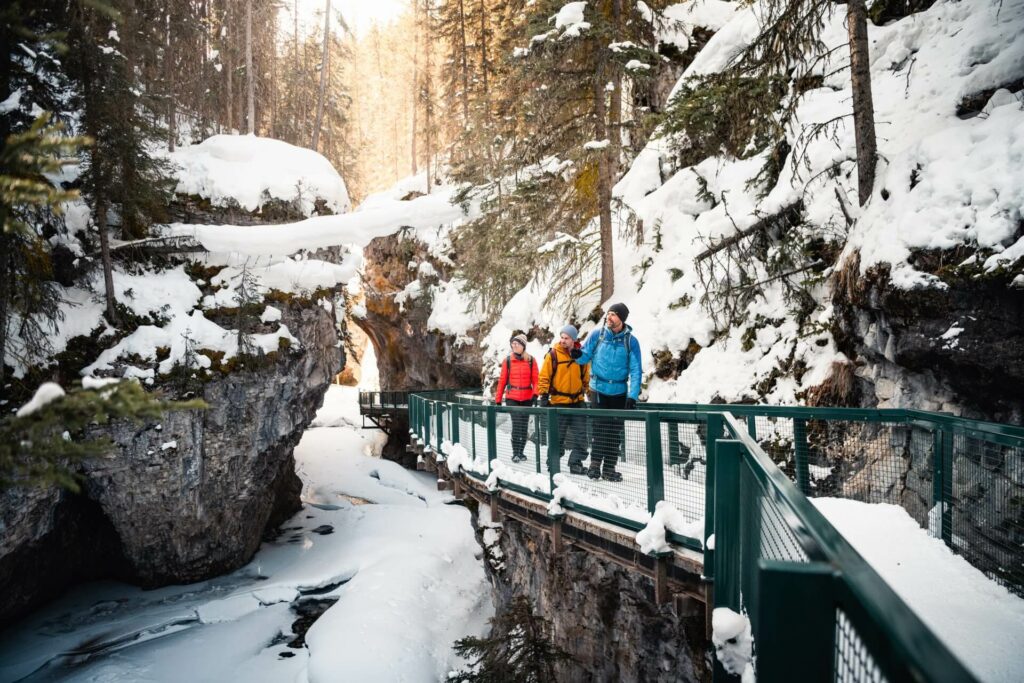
(251, 171)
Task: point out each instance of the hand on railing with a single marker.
(630, 404)
(544, 401)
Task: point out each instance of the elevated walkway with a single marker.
(730, 488)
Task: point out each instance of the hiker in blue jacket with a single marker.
(614, 355)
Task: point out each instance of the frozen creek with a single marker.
(397, 568)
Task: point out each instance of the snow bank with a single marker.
(734, 642)
(356, 228)
(47, 393)
(976, 618)
(252, 170)
(403, 569)
(651, 538)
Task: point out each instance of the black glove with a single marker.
(533, 401)
(630, 403)
(544, 401)
(575, 353)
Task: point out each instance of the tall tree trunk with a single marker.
(615, 112)
(604, 186)
(465, 65)
(428, 96)
(172, 123)
(325, 68)
(863, 104)
(229, 67)
(108, 267)
(415, 79)
(250, 77)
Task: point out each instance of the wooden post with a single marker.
(556, 534)
(495, 510)
(661, 593)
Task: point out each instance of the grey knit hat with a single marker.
(521, 338)
(571, 331)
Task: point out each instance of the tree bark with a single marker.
(325, 68)
(604, 187)
(229, 67)
(172, 127)
(250, 77)
(863, 104)
(428, 101)
(465, 65)
(415, 80)
(108, 267)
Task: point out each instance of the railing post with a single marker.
(426, 422)
(728, 457)
(492, 436)
(538, 437)
(803, 476)
(947, 487)
(714, 430)
(440, 425)
(455, 422)
(796, 614)
(554, 448)
(655, 466)
(752, 426)
(674, 451)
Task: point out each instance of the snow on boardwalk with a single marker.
(979, 620)
(403, 568)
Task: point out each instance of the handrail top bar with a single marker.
(905, 415)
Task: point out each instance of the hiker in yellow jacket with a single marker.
(563, 383)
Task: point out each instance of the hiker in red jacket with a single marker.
(519, 377)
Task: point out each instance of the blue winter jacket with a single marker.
(615, 361)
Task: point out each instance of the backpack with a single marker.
(551, 380)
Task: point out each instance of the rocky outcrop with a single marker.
(410, 355)
(604, 616)
(959, 348)
(180, 500)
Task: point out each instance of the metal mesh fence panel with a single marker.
(853, 662)
(684, 461)
(617, 467)
(984, 515)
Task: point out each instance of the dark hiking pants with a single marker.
(608, 432)
(520, 424)
(575, 428)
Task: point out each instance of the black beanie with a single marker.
(620, 310)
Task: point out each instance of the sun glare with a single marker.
(360, 15)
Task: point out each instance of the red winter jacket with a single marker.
(520, 376)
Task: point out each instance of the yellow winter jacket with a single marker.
(565, 381)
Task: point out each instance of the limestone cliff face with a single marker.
(958, 349)
(409, 354)
(183, 499)
(602, 615)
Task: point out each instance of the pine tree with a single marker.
(520, 648)
(34, 150)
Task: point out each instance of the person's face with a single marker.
(517, 347)
(566, 341)
(613, 321)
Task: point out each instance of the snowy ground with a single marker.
(979, 620)
(403, 565)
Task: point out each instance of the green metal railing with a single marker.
(961, 479)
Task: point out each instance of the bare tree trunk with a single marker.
(172, 127)
(108, 267)
(415, 77)
(604, 187)
(863, 104)
(615, 113)
(428, 104)
(250, 77)
(465, 65)
(325, 67)
(229, 67)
